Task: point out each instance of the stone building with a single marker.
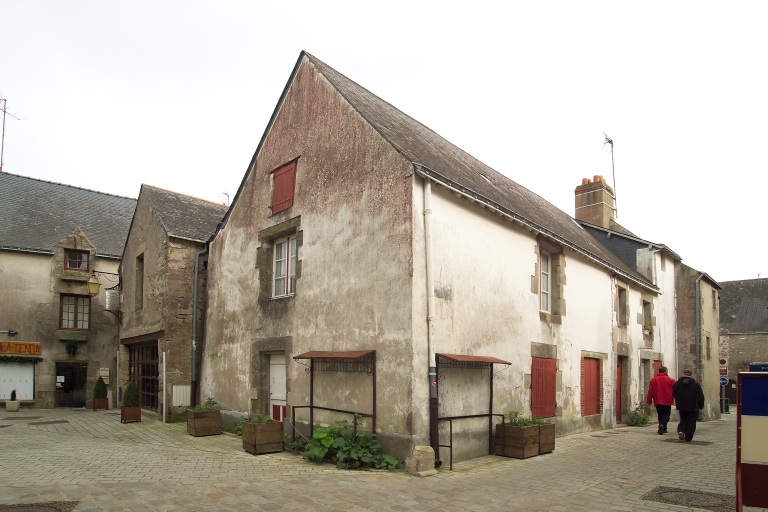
(367, 265)
(56, 335)
(743, 327)
(164, 276)
(689, 331)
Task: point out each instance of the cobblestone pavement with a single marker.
(76, 455)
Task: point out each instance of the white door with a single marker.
(277, 386)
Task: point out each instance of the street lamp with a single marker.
(93, 283)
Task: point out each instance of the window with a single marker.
(138, 289)
(591, 386)
(76, 260)
(545, 292)
(284, 267)
(75, 312)
(714, 299)
(283, 184)
(647, 319)
(623, 305)
(543, 380)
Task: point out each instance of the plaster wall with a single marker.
(352, 218)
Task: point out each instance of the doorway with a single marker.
(277, 388)
(621, 368)
(71, 379)
(143, 369)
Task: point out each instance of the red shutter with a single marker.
(590, 386)
(283, 184)
(656, 365)
(543, 395)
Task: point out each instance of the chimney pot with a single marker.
(584, 181)
(596, 178)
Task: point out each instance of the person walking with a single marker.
(689, 399)
(660, 393)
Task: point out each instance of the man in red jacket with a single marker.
(660, 392)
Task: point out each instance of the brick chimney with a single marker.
(595, 202)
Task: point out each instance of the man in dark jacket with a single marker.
(660, 393)
(689, 399)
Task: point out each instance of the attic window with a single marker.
(283, 185)
(76, 260)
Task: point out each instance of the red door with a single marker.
(543, 394)
(617, 400)
(590, 386)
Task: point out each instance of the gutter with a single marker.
(194, 325)
(698, 327)
(434, 433)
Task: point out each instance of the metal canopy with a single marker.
(465, 362)
(359, 361)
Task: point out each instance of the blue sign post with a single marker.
(751, 441)
(723, 381)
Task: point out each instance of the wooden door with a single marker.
(277, 387)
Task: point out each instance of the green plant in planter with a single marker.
(100, 389)
(514, 418)
(131, 395)
(209, 405)
(13, 395)
(100, 400)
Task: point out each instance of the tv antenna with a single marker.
(4, 104)
(609, 140)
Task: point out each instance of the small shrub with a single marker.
(340, 445)
(131, 395)
(238, 429)
(13, 395)
(514, 418)
(100, 389)
(209, 405)
(640, 416)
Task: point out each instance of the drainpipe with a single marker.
(698, 328)
(194, 325)
(433, 401)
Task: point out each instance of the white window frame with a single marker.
(284, 259)
(545, 281)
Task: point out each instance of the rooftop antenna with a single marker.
(4, 103)
(609, 140)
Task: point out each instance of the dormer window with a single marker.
(76, 260)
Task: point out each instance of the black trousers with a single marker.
(663, 411)
(688, 423)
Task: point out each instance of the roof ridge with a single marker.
(68, 186)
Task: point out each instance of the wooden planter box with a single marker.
(128, 414)
(203, 423)
(517, 442)
(262, 437)
(101, 403)
(546, 438)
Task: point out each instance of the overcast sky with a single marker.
(177, 94)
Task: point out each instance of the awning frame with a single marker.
(357, 361)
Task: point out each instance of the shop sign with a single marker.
(23, 348)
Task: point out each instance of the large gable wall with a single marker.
(352, 211)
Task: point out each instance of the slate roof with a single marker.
(450, 165)
(744, 306)
(35, 215)
(183, 216)
(624, 244)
